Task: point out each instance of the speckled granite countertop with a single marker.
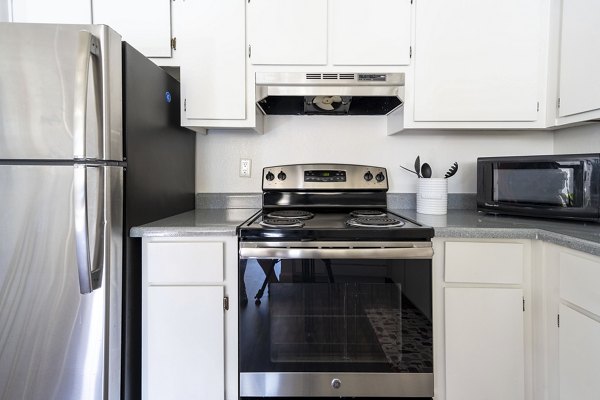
(199, 222)
(581, 236)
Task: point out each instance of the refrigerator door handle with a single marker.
(90, 270)
(89, 47)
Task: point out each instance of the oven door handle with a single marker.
(404, 253)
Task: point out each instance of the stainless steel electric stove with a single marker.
(341, 288)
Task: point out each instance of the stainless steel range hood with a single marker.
(329, 93)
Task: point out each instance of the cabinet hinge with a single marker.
(174, 43)
(225, 303)
(410, 52)
(538, 106)
(249, 51)
(558, 320)
(184, 104)
(558, 103)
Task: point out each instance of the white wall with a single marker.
(356, 140)
(5, 11)
(579, 139)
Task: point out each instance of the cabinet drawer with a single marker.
(185, 262)
(580, 281)
(475, 262)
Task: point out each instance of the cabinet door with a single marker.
(477, 60)
(292, 32)
(144, 24)
(56, 12)
(579, 87)
(370, 33)
(213, 59)
(579, 344)
(185, 343)
(485, 356)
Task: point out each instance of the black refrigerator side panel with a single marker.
(159, 182)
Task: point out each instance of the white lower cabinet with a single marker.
(570, 329)
(485, 355)
(579, 355)
(189, 318)
(185, 343)
(482, 324)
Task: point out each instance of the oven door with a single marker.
(336, 319)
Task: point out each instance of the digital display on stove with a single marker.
(324, 176)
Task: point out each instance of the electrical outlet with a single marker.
(245, 167)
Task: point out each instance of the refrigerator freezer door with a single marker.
(60, 96)
(54, 341)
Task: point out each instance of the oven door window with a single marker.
(335, 315)
(547, 184)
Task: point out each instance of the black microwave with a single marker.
(555, 186)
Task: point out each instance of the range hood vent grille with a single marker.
(313, 76)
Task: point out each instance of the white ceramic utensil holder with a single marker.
(432, 196)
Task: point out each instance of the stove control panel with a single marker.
(324, 177)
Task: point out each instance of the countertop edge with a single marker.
(172, 232)
(560, 239)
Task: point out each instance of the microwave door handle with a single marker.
(405, 253)
(89, 47)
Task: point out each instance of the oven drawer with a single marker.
(477, 262)
(184, 262)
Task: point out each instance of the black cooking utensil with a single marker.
(409, 170)
(426, 170)
(418, 166)
(451, 171)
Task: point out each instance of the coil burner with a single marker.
(367, 213)
(375, 222)
(281, 223)
(290, 214)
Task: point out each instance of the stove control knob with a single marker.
(368, 176)
(270, 176)
(281, 176)
(336, 383)
(379, 177)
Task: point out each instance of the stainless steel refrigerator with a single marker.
(90, 145)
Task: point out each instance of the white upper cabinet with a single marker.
(56, 12)
(329, 33)
(370, 33)
(292, 32)
(579, 80)
(478, 61)
(212, 50)
(145, 24)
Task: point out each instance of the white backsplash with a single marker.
(579, 139)
(355, 140)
